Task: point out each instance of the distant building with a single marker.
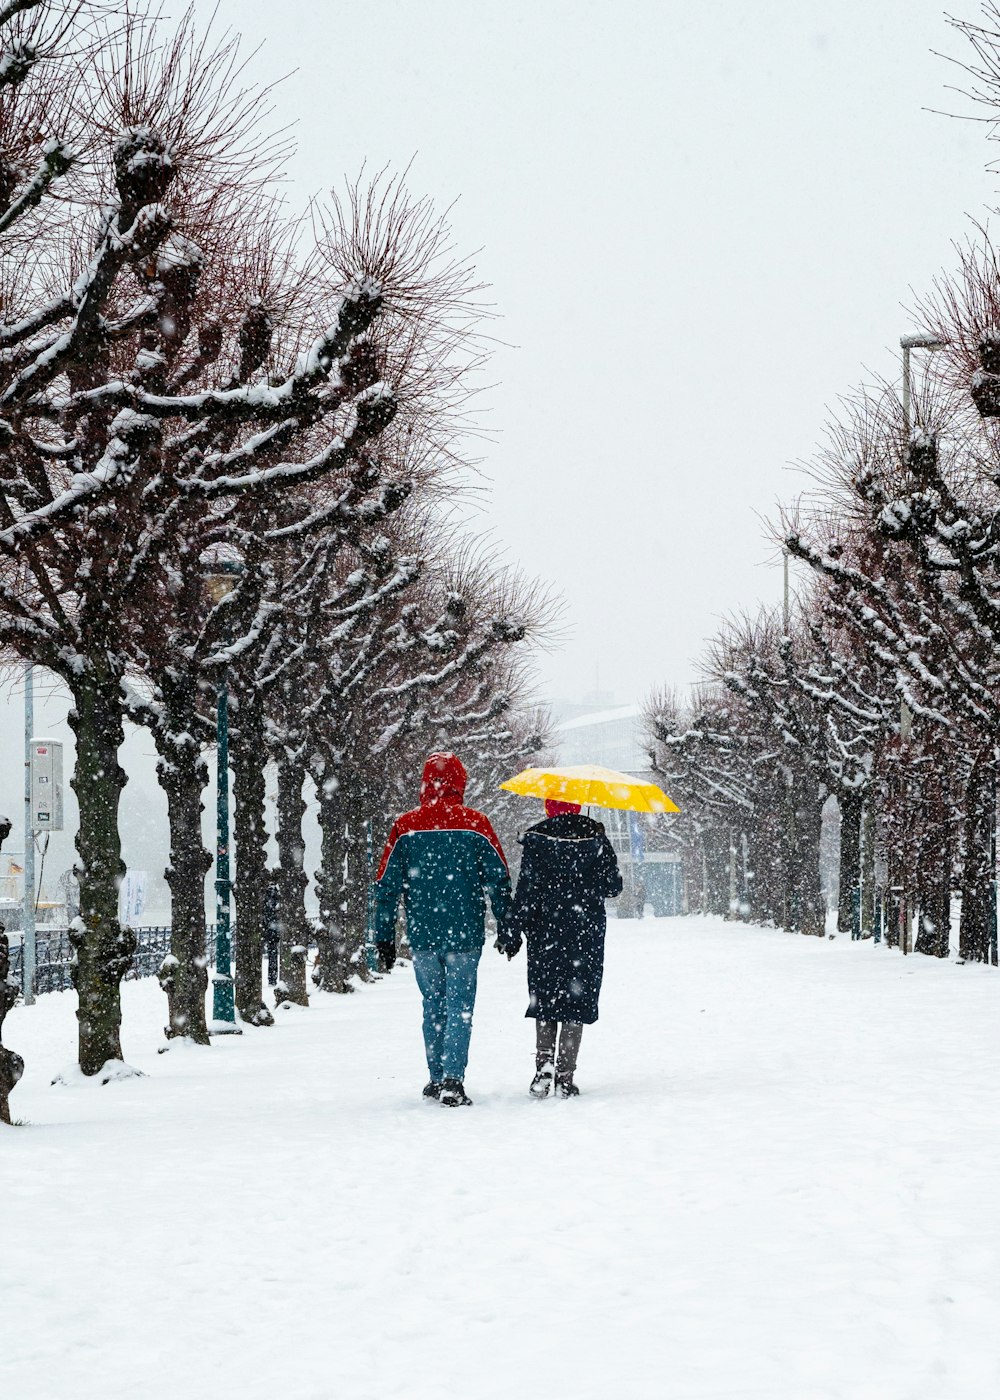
(611, 737)
(614, 737)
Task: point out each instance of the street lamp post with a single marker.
(220, 584)
(909, 343)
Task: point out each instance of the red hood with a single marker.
(444, 779)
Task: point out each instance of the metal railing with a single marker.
(54, 956)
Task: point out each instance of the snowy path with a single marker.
(780, 1183)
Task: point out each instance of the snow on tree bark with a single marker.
(183, 775)
(102, 947)
(11, 1064)
(249, 754)
(292, 882)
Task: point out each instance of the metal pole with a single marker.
(223, 1004)
(993, 865)
(371, 955)
(908, 343)
(790, 920)
(28, 951)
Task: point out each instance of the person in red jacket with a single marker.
(443, 858)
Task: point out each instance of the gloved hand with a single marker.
(509, 943)
(386, 955)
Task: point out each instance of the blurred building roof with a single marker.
(613, 738)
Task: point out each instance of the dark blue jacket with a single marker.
(568, 869)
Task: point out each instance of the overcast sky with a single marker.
(701, 223)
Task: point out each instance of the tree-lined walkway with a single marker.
(778, 1181)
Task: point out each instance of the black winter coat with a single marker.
(568, 869)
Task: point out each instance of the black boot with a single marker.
(432, 1090)
(541, 1086)
(453, 1094)
(570, 1035)
(545, 1057)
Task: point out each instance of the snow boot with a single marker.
(453, 1094)
(541, 1086)
(565, 1087)
(432, 1090)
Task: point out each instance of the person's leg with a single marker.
(461, 972)
(570, 1035)
(545, 1043)
(545, 1056)
(429, 970)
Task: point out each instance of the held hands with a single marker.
(508, 943)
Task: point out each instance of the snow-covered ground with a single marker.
(779, 1183)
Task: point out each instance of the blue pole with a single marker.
(993, 867)
(28, 958)
(371, 954)
(223, 1003)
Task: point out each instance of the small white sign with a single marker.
(46, 776)
(132, 899)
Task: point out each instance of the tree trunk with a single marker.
(11, 1065)
(331, 972)
(716, 847)
(248, 755)
(934, 871)
(974, 929)
(807, 896)
(868, 868)
(851, 807)
(183, 775)
(292, 882)
(934, 892)
(103, 948)
(766, 874)
(354, 892)
(790, 858)
(899, 836)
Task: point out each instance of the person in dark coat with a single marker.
(568, 869)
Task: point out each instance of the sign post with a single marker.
(43, 811)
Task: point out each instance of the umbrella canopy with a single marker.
(591, 786)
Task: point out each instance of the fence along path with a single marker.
(54, 956)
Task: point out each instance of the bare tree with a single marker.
(158, 406)
(430, 660)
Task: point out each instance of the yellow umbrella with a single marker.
(591, 786)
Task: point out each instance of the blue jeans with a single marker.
(447, 983)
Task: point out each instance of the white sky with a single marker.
(700, 223)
